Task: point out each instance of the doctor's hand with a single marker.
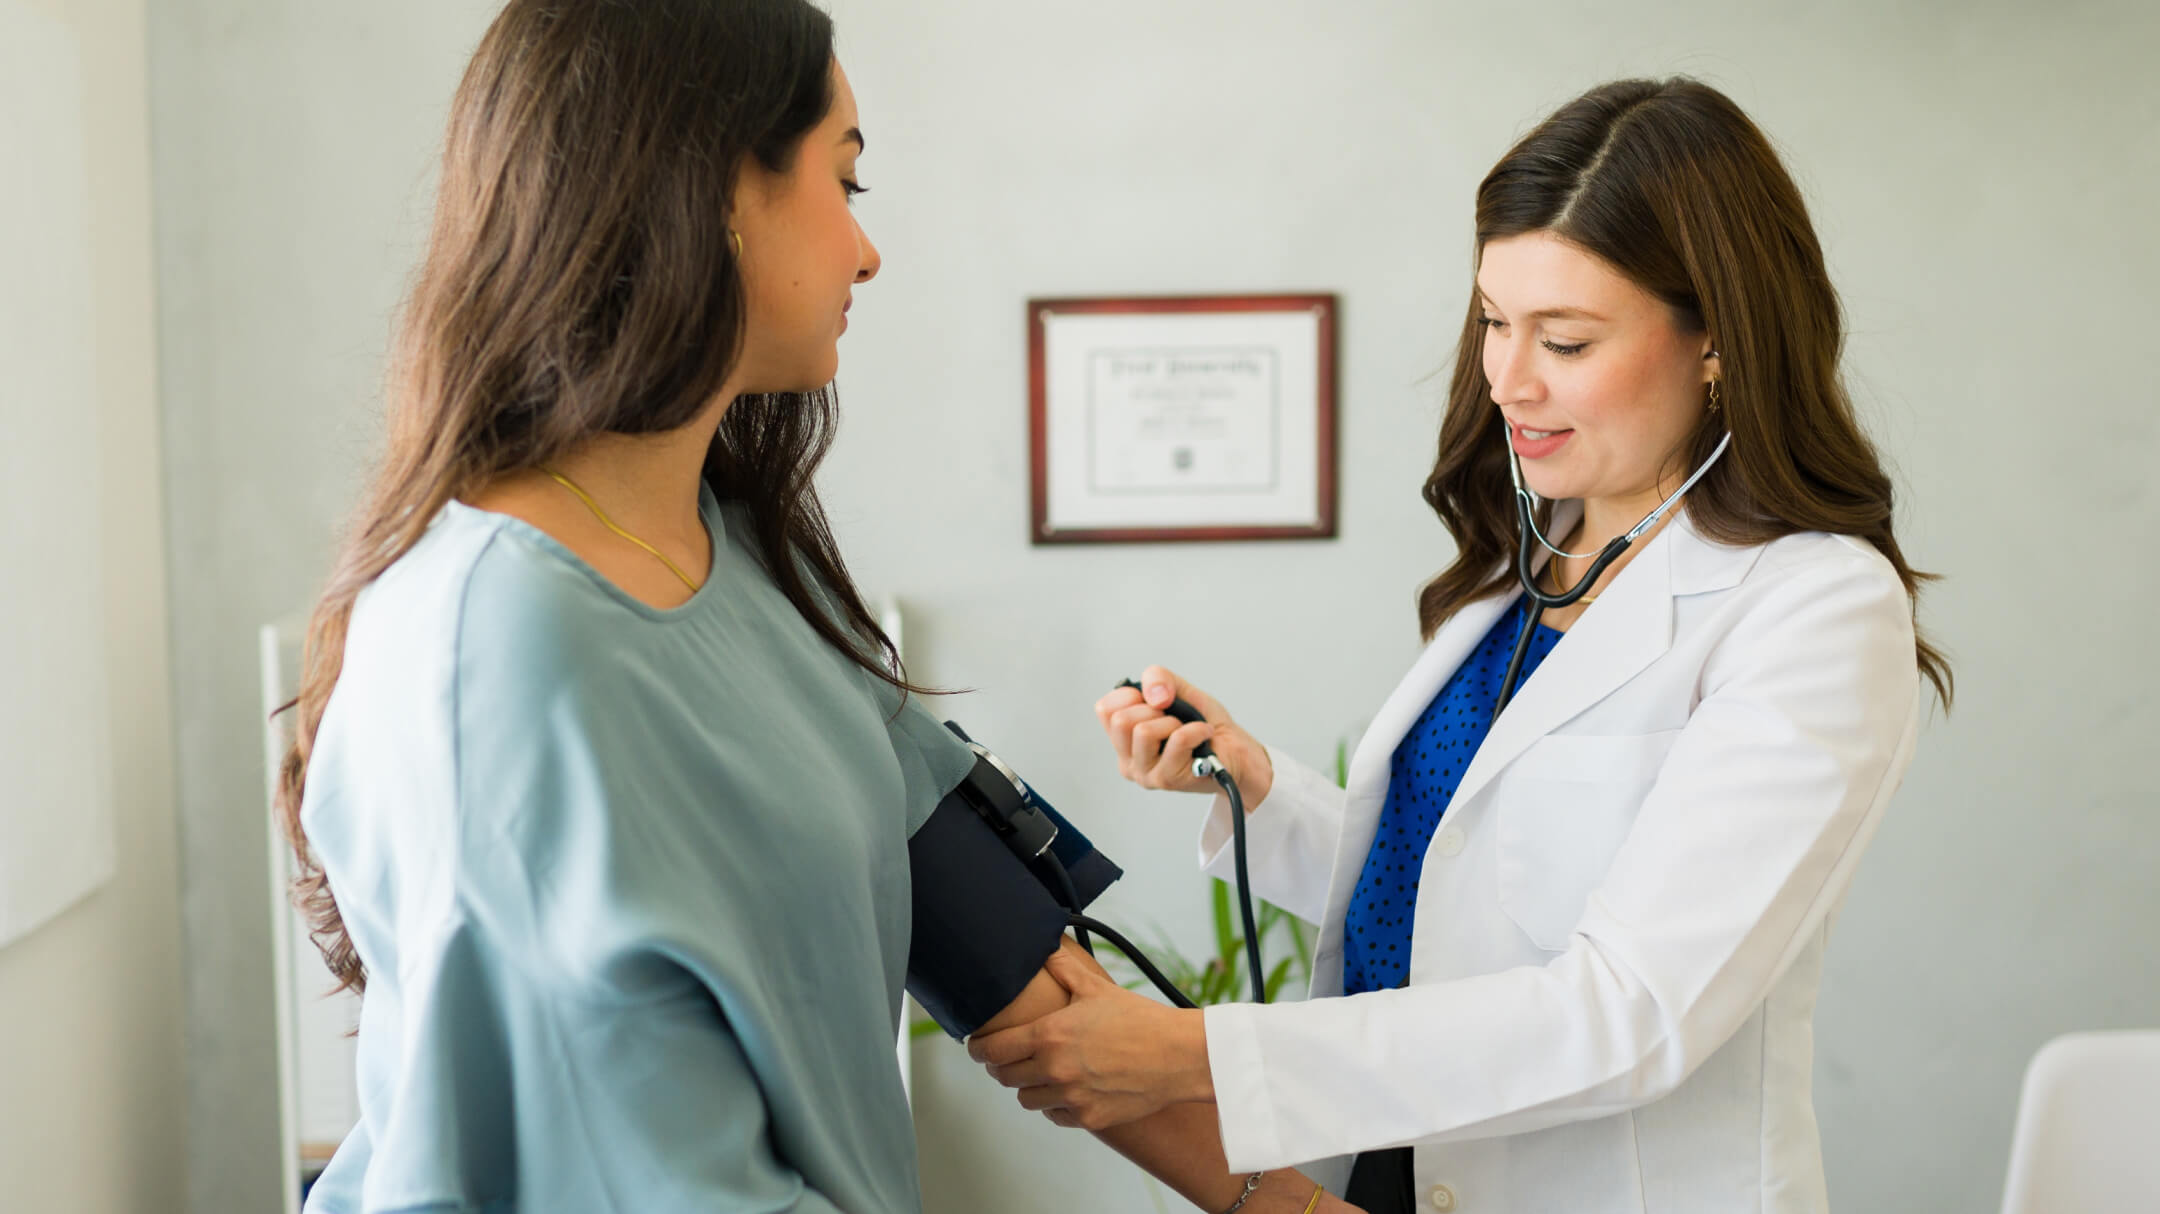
(1154, 749)
(1109, 1057)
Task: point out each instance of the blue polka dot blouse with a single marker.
(1422, 779)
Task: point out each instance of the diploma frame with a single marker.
(1182, 418)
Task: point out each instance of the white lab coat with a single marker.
(1621, 918)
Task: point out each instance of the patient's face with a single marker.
(803, 253)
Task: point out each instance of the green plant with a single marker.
(1220, 976)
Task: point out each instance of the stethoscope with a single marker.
(1539, 599)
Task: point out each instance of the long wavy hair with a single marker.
(579, 280)
(1677, 189)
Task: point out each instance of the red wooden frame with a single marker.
(1039, 531)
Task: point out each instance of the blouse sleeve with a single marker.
(486, 1041)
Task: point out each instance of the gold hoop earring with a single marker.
(738, 243)
(1716, 400)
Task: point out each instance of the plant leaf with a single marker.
(1227, 975)
(1300, 941)
(1224, 944)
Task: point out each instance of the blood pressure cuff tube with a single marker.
(985, 920)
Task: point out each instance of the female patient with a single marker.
(604, 776)
(601, 758)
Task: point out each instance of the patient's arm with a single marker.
(1180, 1145)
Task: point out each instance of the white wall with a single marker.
(1979, 174)
(293, 144)
(91, 1058)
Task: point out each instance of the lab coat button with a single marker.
(1443, 1197)
(1448, 842)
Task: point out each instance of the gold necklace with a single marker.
(609, 523)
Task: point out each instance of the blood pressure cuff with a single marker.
(985, 919)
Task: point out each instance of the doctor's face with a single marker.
(1599, 383)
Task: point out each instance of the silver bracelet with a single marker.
(1251, 1182)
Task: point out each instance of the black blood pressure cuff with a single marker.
(986, 918)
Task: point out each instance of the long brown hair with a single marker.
(1670, 183)
(580, 280)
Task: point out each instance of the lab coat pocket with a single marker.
(1561, 811)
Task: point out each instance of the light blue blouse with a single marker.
(631, 887)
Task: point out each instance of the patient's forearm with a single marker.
(1181, 1145)
(1039, 998)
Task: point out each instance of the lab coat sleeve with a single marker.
(1743, 847)
(1289, 838)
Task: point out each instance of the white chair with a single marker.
(318, 1102)
(2088, 1127)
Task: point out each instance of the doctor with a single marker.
(1569, 954)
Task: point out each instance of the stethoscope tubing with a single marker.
(1540, 599)
(1529, 537)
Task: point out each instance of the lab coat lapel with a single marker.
(1629, 627)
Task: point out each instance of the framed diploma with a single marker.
(1196, 418)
